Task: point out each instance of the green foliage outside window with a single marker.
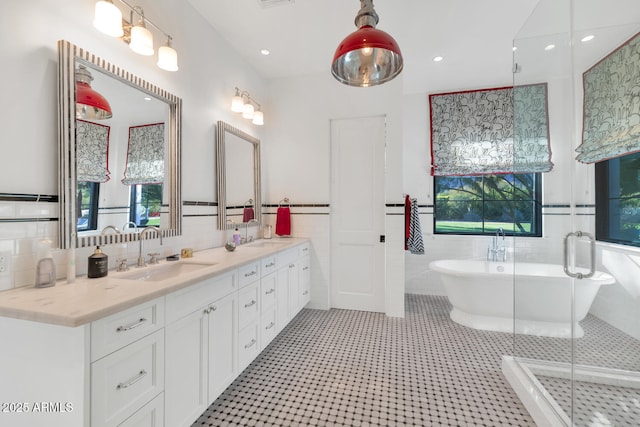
(483, 204)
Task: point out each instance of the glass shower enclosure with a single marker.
(576, 341)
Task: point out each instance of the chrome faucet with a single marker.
(109, 227)
(141, 261)
(497, 252)
(246, 228)
(130, 224)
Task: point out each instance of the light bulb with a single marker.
(247, 111)
(258, 118)
(167, 58)
(141, 40)
(108, 19)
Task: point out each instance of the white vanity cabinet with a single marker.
(200, 347)
(159, 363)
(127, 362)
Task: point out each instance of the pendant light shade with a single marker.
(237, 102)
(108, 19)
(168, 57)
(90, 105)
(141, 39)
(247, 111)
(258, 118)
(368, 56)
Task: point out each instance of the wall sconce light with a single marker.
(368, 56)
(108, 19)
(243, 103)
(90, 105)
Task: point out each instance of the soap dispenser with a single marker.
(98, 264)
(236, 236)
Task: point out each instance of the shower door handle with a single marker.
(592, 253)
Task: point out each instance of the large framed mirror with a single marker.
(238, 177)
(120, 169)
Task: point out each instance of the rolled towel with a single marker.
(248, 215)
(283, 221)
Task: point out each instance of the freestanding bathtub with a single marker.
(482, 295)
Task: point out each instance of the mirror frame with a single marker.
(68, 55)
(222, 128)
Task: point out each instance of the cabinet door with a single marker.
(305, 280)
(294, 288)
(223, 332)
(282, 299)
(186, 368)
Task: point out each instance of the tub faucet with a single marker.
(141, 261)
(497, 252)
(130, 224)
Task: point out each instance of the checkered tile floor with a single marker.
(351, 368)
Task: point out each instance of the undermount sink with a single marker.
(265, 244)
(163, 272)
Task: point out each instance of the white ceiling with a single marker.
(473, 36)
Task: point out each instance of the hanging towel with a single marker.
(248, 215)
(407, 221)
(415, 244)
(283, 221)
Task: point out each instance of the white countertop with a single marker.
(87, 299)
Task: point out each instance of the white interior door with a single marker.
(357, 213)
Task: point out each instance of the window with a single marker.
(483, 204)
(618, 200)
(144, 208)
(87, 205)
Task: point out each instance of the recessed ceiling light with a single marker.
(265, 52)
(550, 47)
(437, 58)
(587, 38)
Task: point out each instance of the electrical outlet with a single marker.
(5, 271)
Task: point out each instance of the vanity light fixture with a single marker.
(108, 19)
(90, 105)
(368, 56)
(141, 39)
(243, 103)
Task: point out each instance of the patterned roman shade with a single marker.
(145, 155)
(501, 130)
(611, 116)
(92, 152)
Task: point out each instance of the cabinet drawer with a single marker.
(248, 304)
(150, 415)
(304, 250)
(249, 273)
(268, 265)
(126, 380)
(248, 344)
(268, 291)
(268, 327)
(189, 299)
(120, 329)
(287, 257)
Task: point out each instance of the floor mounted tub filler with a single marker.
(482, 295)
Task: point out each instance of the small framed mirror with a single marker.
(238, 177)
(120, 167)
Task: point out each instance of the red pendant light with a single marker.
(90, 105)
(368, 56)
